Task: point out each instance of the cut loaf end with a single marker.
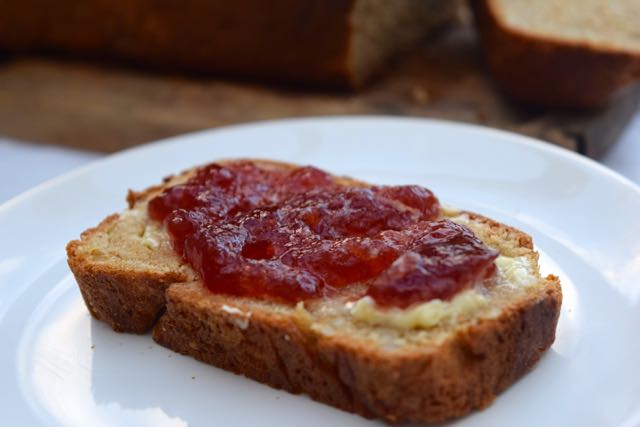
(382, 30)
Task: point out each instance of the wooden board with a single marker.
(106, 108)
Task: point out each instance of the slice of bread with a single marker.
(432, 362)
(559, 53)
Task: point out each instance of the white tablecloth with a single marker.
(24, 165)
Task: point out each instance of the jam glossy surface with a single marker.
(295, 234)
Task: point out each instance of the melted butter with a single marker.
(449, 211)
(426, 315)
(515, 272)
(512, 273)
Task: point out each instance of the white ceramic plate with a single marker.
(60, 367)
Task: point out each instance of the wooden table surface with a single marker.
(107, 108)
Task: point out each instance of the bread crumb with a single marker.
(420, 95)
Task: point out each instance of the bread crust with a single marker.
(447, 379)
(230, 38)
(464, 373)
(129, 301)
(546, 71)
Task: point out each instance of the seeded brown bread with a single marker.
(557, 59)
(372, 370)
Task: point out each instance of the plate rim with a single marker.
(521, 140)
(517, 139)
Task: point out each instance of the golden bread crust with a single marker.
(464, 373)
(128, 300)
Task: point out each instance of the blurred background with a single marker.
(83, 78)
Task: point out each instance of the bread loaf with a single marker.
(340, 43)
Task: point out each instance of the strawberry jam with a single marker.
(293, 234)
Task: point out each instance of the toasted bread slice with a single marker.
(558, 53)
(429, 363)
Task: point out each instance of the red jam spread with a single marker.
(295, 234)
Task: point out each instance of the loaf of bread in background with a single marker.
(560, 53)
(337, 43)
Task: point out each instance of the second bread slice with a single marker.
(561, 53)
